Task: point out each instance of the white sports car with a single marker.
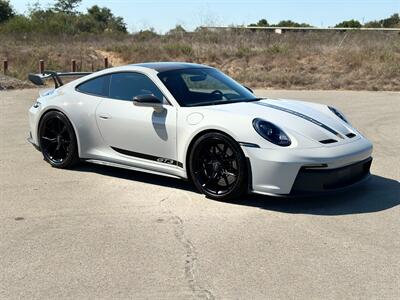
(194, 122)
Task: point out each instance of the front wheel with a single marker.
(58, 141)
(217, 167)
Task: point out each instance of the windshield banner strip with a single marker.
(303, 117)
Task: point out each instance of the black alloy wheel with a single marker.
(217, 166)
(58, 141)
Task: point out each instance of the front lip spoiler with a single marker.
(332, 191)
(314, 194)
(30, 140)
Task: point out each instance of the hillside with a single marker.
(298, 60)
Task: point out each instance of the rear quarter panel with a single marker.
(80, 110)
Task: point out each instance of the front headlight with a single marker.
(271, 132)
(338, 113)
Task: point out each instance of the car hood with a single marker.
(311, 120)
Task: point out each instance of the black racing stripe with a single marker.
(312, 120)
(149, 157)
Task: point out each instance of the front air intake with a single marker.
(350, 135)
(328, 141)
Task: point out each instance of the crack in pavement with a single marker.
(190, 256)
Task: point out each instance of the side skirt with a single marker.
(149, 157)
(117, 165)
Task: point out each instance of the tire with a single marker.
(217, 167)
(57, 140)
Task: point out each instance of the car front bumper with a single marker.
(291, 171)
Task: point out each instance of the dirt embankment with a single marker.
(11, 83)
(114, 59)
(324, 60)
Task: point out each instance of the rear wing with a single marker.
(39, 79)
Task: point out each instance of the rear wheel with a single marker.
(58, 141)
(217, 166)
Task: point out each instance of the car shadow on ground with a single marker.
(135, 176)
(376, 194)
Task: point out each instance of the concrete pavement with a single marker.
(99, 232)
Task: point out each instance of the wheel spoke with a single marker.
(63, 150)
(225, 150)
(225, 179)
(210, 180)
(66, 142)
(219, 149)
(49, 139)
(214, 152)
(63, 130)
(230, 174)
(215, 175)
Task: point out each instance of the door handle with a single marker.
(105, 116)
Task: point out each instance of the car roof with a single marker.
(170, 66)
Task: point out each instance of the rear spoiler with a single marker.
(38, 79)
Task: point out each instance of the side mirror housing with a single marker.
(146, 99)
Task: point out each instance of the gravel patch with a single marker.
(11, 83)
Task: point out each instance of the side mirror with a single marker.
(146, 99)
(249, 89)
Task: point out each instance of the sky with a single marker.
(164, 15)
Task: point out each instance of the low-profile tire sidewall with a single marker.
(73, 156)
(241, 184)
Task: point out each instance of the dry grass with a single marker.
(355, 61)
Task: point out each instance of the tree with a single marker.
(284, 23)
(177, 30)
(290, 23)
(373, 24)
(100, 14)
(392, 22)
(63, 19)
(349, 24)
(6, 11)
(66, 6)
(261, 23)
(106, 19)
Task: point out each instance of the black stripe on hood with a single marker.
(312, 120)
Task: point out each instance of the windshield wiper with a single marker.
(254, 99)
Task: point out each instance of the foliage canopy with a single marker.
(63, 18)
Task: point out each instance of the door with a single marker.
(142, 132)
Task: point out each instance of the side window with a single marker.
(98, 86)
(126, 86)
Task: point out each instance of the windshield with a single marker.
(204, 86)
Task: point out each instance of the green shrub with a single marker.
(55, 21)
(178, 49)
(6, 11)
